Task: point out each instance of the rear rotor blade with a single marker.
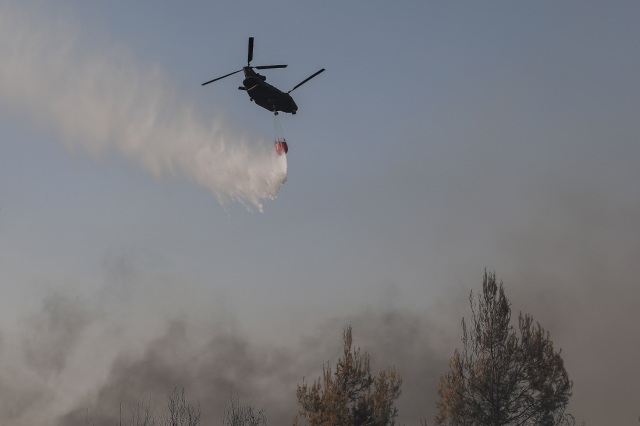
(220, 78)
(305, 80)
(250, 53)
(267, 67)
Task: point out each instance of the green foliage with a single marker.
(501, 377)
(350, 396)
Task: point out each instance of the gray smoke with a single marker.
(54, 333)
(80, 358)
(78, 366)
(574, 267)
(37, 356)
(212, 368)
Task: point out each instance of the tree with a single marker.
(350, 396)
(502, 377)
(239, 414)
(180, 412)
(141, 415)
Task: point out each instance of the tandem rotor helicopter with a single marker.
(261, 92)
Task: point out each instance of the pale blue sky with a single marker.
(442, 139)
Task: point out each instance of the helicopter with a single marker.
(261, 92)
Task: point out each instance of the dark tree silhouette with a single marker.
(503, 377)
(237, 413)
(180, 411)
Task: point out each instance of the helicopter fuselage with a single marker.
(262, 93)
(266, 95)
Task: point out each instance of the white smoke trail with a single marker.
(101, 100)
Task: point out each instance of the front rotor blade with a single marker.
(220, 78)
(250, 53)
(305, 80)
(267, 67)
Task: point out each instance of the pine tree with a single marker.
(350, 395)
(501, 377)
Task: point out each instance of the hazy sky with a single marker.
(141, 247)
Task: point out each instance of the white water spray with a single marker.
(101, 100)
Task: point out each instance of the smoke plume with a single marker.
(101, 100)
(81, 361)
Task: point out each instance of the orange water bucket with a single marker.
(281, 146)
